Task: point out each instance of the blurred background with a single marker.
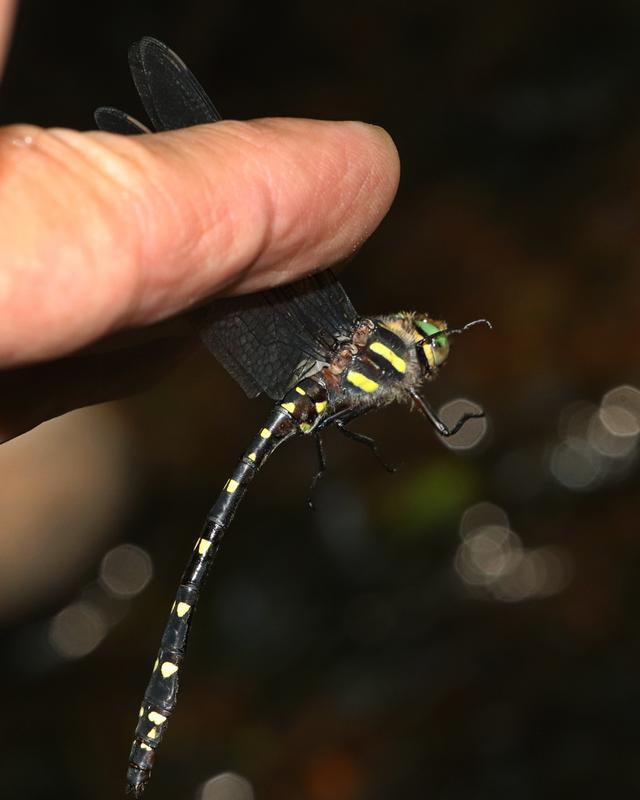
(466, 628)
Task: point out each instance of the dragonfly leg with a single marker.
(341, 425)
(438, 424)
(322, 468)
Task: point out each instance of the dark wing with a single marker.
(112, 120)
(268, 340)
(170, 94)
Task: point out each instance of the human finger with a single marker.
(103, 232)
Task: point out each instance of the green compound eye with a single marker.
(435, 350)
(428, 329)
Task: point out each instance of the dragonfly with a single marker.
(303, 345)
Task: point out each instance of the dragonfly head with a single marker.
(433, 341)
(433, 344)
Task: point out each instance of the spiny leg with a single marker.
(322, 468)
(365, 440)
(442, 428)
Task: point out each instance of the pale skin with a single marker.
(103, 233)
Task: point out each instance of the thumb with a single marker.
(101, 232)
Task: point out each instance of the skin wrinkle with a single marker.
(294, 236)
(257, 174)
(247, 173)
(339, 213)
(104, 236)
(217, 237)
(365, 194)
(146, 214)
(249, 184)
(34, 159)
(280, 199)
(331, 235)
(216, 240)
(144, 209)
(207, 187)
(48, 154)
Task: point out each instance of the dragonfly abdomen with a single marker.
(307, 402)
(161, 694)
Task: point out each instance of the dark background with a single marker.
(367, 651)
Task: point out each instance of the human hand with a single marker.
(103, 233)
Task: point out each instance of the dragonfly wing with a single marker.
(170, 93)
(112, 120)
(268, 339)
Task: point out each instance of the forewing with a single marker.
(171, 95)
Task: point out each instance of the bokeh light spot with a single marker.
(471, 433)
(540, 572)
(487, 553)
(602, 438)
(574, 419)
(227, 786)
(627, 398)
(619, 421)
(77, 630)
(574, 464)
(126, 570)
(480, 515)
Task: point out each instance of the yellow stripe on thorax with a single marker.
(361, 381)
(399, 364)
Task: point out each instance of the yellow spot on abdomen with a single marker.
(251, 456)
(203, 546)
(168, 669)
(320, 407)
(300, 390)
(361, 381)
(156, 718)
(265, 433)
(305, 427)
(182, 609)
(399, 364)
(231, 485)
(145, 746)
(152, 733)
(290, 407)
